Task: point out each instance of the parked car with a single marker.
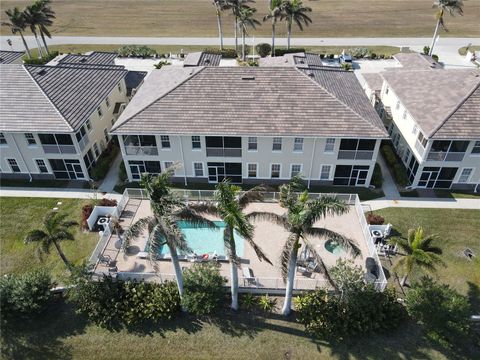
(345, 58)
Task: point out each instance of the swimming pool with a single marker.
(204, 240)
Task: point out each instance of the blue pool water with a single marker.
(205, 240)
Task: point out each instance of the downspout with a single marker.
(311, 163)
(183, 160)
(21, 156)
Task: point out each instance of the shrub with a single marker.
(122, 173)
(331, 56)
(204, 290)
(322, 56)
(104, 162)
(358, 52)
(400, 175)
(263, 49)
(435, 57)
(266, 303)
(283, 51)
(161, 64)
(395, 165)
(374, 219)
(86, 212)
(443, 311)
(347, 66)
(426, 50)
(248, 301)
(136, 51)
(24, 295)
(36, 61)
(226, 53)
(107, 202)
(389, 154)
(373, 55)
(252, 63)
(377, 178)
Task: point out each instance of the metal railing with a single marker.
(102, 243)
(141, 150)
(445, 156)
(59, 149)
(355, 155)
(224, 152)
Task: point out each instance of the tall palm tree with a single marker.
(245, 20)
(55, 229)
(294, 11)
(17, 25)
(452, 7)
(44, 20)
(220, 6)
(417, 253)
(236, 6)
(299, 221)
(275, 12)
(33, 17)
(229, 203)
(168, 209)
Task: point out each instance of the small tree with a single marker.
(263, 49)
(204, 290)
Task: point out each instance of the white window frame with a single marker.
(327, 144)
(397, 105)
(38, 167)
(468, 177)
(415, 129)
(10, 166)
(120, 87)
(165, 167)
(96, 149)
(35, 144)
(279, 171)
(276, 143)
(291, 169)
(329, 172)
(169, 142)
(88, 125)
(404, 115)
(295, 143)
(256, 171)
(2, 136)
(475, 146)
(196, 141)
(253, 142)
(99, 111)
(194, 170)
(107, 102)
(106, 135)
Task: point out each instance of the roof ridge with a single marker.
(335, 97)
(460, 104)
(46, 96)
(114, 127)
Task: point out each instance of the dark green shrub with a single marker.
(104, 161)
(443, 312)
(389, 154)
(426, 50)
(373, 55)
(263, 49)
(283, 51)
(248, 301)
(266, 303)
(347, 66)
(226, 53)
(322, 56)
(331, 56)
(435, 57)
(24, 295)
(400, 174)
(136, 51)
(203, 287)
(36, 61)
(122, 173)
(161, 64)
(377, 178)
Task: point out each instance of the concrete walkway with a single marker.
(56, 193)
(112, 176)
(389, 188)
(428, 203)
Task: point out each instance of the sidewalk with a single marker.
(389, 187)
(112, 176)
(55, 193)
(431, 203)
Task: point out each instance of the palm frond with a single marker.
(69, 223)
(137, 229)
(254, 194)
(229, 243)
(285, 256)
(35, 235)
(322, 268)
(326, 206)
(62, 235)
(195, 219)
(204, 207)
(347, 243)
(280, 220)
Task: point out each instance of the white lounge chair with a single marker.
(143, 255)
(248, 278)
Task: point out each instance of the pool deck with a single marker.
(268, 236)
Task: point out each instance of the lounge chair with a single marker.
(143, 255)
(248, 278)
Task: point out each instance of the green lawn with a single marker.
(61, 334)
(331, 18)
(457, 194)
(20, 215)
(456, 229)
(44, 183)
(463, 50)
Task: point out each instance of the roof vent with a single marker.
(207, 61)
(248, 77)
(42, 72)
(311, 74)
(302, 62)
(82, 60)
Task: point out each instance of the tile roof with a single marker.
(374, 81)
(248, 100)
(95, 57)
(7, 57)
(133, 80)
(202, 59)
(411, 61)
(65, 96)
(444, 103)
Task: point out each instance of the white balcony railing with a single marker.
(224, 152)
(445, 156)
(59, 149)
(355, 154)
(141, 150)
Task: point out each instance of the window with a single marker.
(137, 168)
(80, 134)
(113, 121)
(277, 144)
(298, 144)
(421, 139)
(105, 133)
(107, 101)
(252, 170)
(196, 144)
(415, 128)
(99, 111)
(397, 106)
(325, 172)
(387, 90)
(329, 145)
(198, 169)
(356, 149)
(95, 150)
(295, 170)
(475, 150)
(30, 139)
(120, 88)
(165, 140)
(167, 164)
(275, 171)
(89, 159)
(88, 124)
(252, 143)
(3, 141)
(465, 175)
(13, 165)
(42, 167)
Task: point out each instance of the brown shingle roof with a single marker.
(246, 101)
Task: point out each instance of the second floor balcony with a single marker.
(355, 154)
(59, 149)
(141, 150)
(224, 152)
(57, 144)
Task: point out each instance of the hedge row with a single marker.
(395, 165)
(36, 61)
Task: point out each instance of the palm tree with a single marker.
(44, 20)
(276, 11)
(229, 203)
(33, 17)
(299, 221)
(168, 209)
(294, 11)
(17, 25)
(55, 229)
(418, 253)
(236, 6)
(220, 6)
(245, 20)
(442, 6)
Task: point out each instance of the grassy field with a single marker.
(331, 18)
(20, 215)
(61, 334)
(456, 229)
(463, 50)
